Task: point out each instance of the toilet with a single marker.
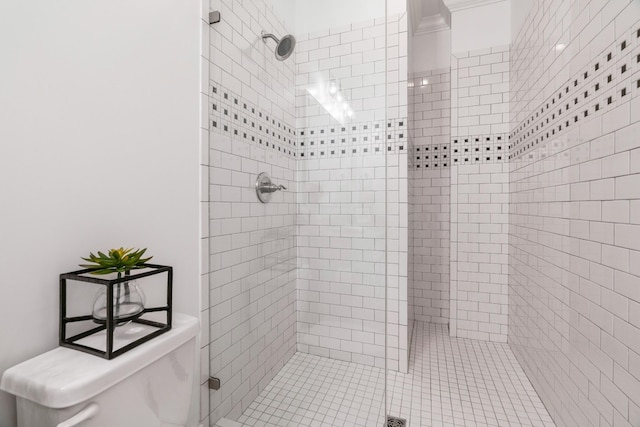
(148, 386)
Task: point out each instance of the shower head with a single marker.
(284, 46)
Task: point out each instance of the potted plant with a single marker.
(128, 298)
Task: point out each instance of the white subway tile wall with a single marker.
(479, 251)
(429, 195)
(574, 280)
(431, 91)
(341, 195)
(252, 246)
(480, 92)
(352, 57)
(341, 244)
(480, 194)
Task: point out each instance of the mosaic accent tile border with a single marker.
(353, 139)
(612, 78)
(479, 149)
(431, 156)
(461, 150)
(232, 115)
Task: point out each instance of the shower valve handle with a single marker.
(271, 188)
(264, 187)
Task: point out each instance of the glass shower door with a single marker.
(342, 205)
(303, 289)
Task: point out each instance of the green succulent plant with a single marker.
(117, 261)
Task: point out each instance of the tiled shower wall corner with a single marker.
(341, 196)
(252, 264)
(429, 195)
(574, 275)
(479, 194)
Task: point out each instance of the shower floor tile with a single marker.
(451, 382)
(317, 391)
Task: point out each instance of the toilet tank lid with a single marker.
(64, 377)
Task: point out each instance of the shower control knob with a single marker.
(272, 188)
(264, 187)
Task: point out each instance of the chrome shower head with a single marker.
(284, 47)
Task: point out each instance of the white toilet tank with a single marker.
(148, 386)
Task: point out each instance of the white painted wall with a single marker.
(98, 148)
(481, 27)
(519, 11)
(285, 10)
(431, 51)
(314, 15)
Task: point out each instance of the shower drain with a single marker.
(396, 422)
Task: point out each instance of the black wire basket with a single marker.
(110, 331)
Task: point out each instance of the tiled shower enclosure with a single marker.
(457, 243)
